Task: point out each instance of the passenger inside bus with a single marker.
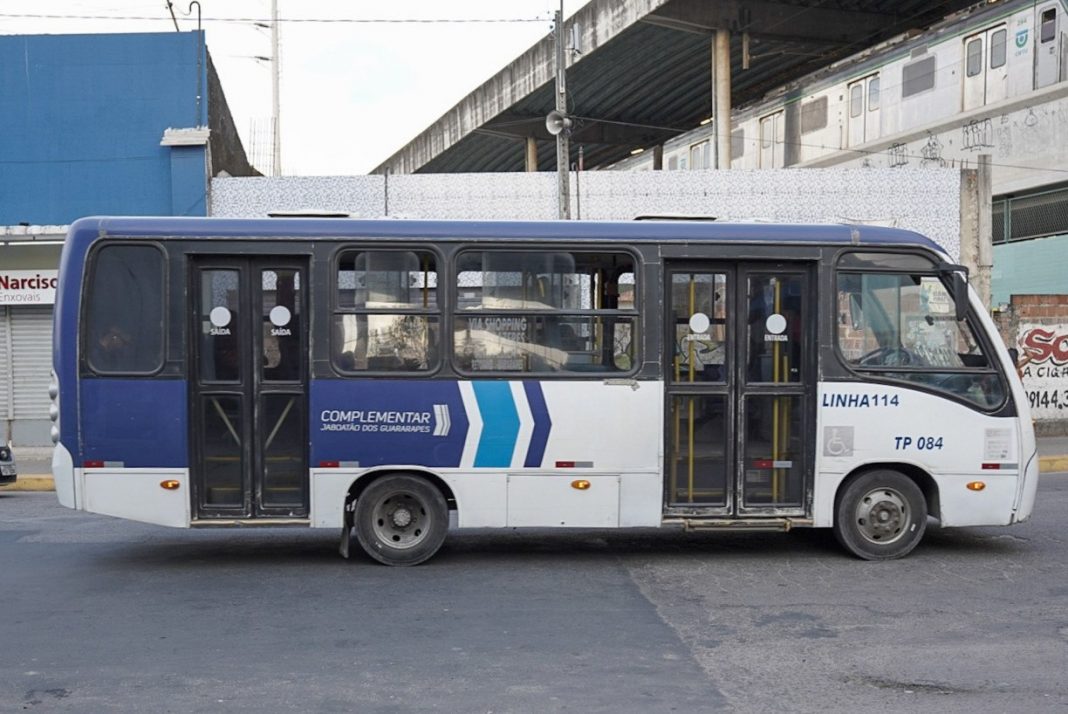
(113, 349)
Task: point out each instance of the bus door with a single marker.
(249, 386)
(986, 73)
(740, 389)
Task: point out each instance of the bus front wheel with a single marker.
(881, 515)
(401, 520)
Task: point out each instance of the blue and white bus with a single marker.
(381, 377)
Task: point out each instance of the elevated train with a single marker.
(993, 52)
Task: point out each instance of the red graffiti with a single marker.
(1042, 345)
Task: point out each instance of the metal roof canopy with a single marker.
(645, 75)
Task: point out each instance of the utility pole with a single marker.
(563, 143)
(276, 123)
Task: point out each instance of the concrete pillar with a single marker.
(721, 75)
(969, 220)
(976, 241)
(532, 154)
(985, 250)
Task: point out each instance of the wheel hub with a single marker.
(882, 516)
(402, 517)
(400, 520)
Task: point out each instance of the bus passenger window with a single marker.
(902, 326)
(544, 311)
(124, 310)
(388, 319)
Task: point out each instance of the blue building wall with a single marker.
(1029, 267)
(81, 119)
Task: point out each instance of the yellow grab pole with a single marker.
(775, 408)
(690, 486)
(691, 356)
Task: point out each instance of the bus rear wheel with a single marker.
(881, 515)
(401, 520)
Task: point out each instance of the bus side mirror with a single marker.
(958, 288)
(960, 295)
(856, 312)
(1014, 355)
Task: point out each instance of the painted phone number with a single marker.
(1048, 398)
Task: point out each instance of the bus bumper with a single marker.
(1026, 494)
(63, 474)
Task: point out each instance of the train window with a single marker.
(738, 144)
(974, 50)
(701, 156)
(856, 99)
(814, 115)
(673, 163)
(1049, 24)
(873, 94)
(997, 49)
(918, 77)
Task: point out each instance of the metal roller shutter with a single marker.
(6, 408)
(31, 342)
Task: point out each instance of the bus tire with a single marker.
(880, 515)
(401, 520)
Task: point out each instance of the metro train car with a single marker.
(987, 54)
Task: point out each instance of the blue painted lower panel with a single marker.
(374, 422)
(145, 423)
(140, 422)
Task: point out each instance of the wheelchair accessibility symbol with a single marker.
(837, 441)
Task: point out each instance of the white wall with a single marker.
(926, 201)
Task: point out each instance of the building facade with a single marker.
(133, 124)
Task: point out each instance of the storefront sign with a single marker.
(28, 287)
(1044, 350)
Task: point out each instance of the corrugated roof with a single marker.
(650, 78)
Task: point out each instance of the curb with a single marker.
(31, 483)
(1046, 464)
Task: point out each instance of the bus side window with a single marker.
(124, 310)
(544, 311)
(388, 318)
(902, 326)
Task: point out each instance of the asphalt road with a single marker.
(101, 615)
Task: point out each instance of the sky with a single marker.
(351, 93)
